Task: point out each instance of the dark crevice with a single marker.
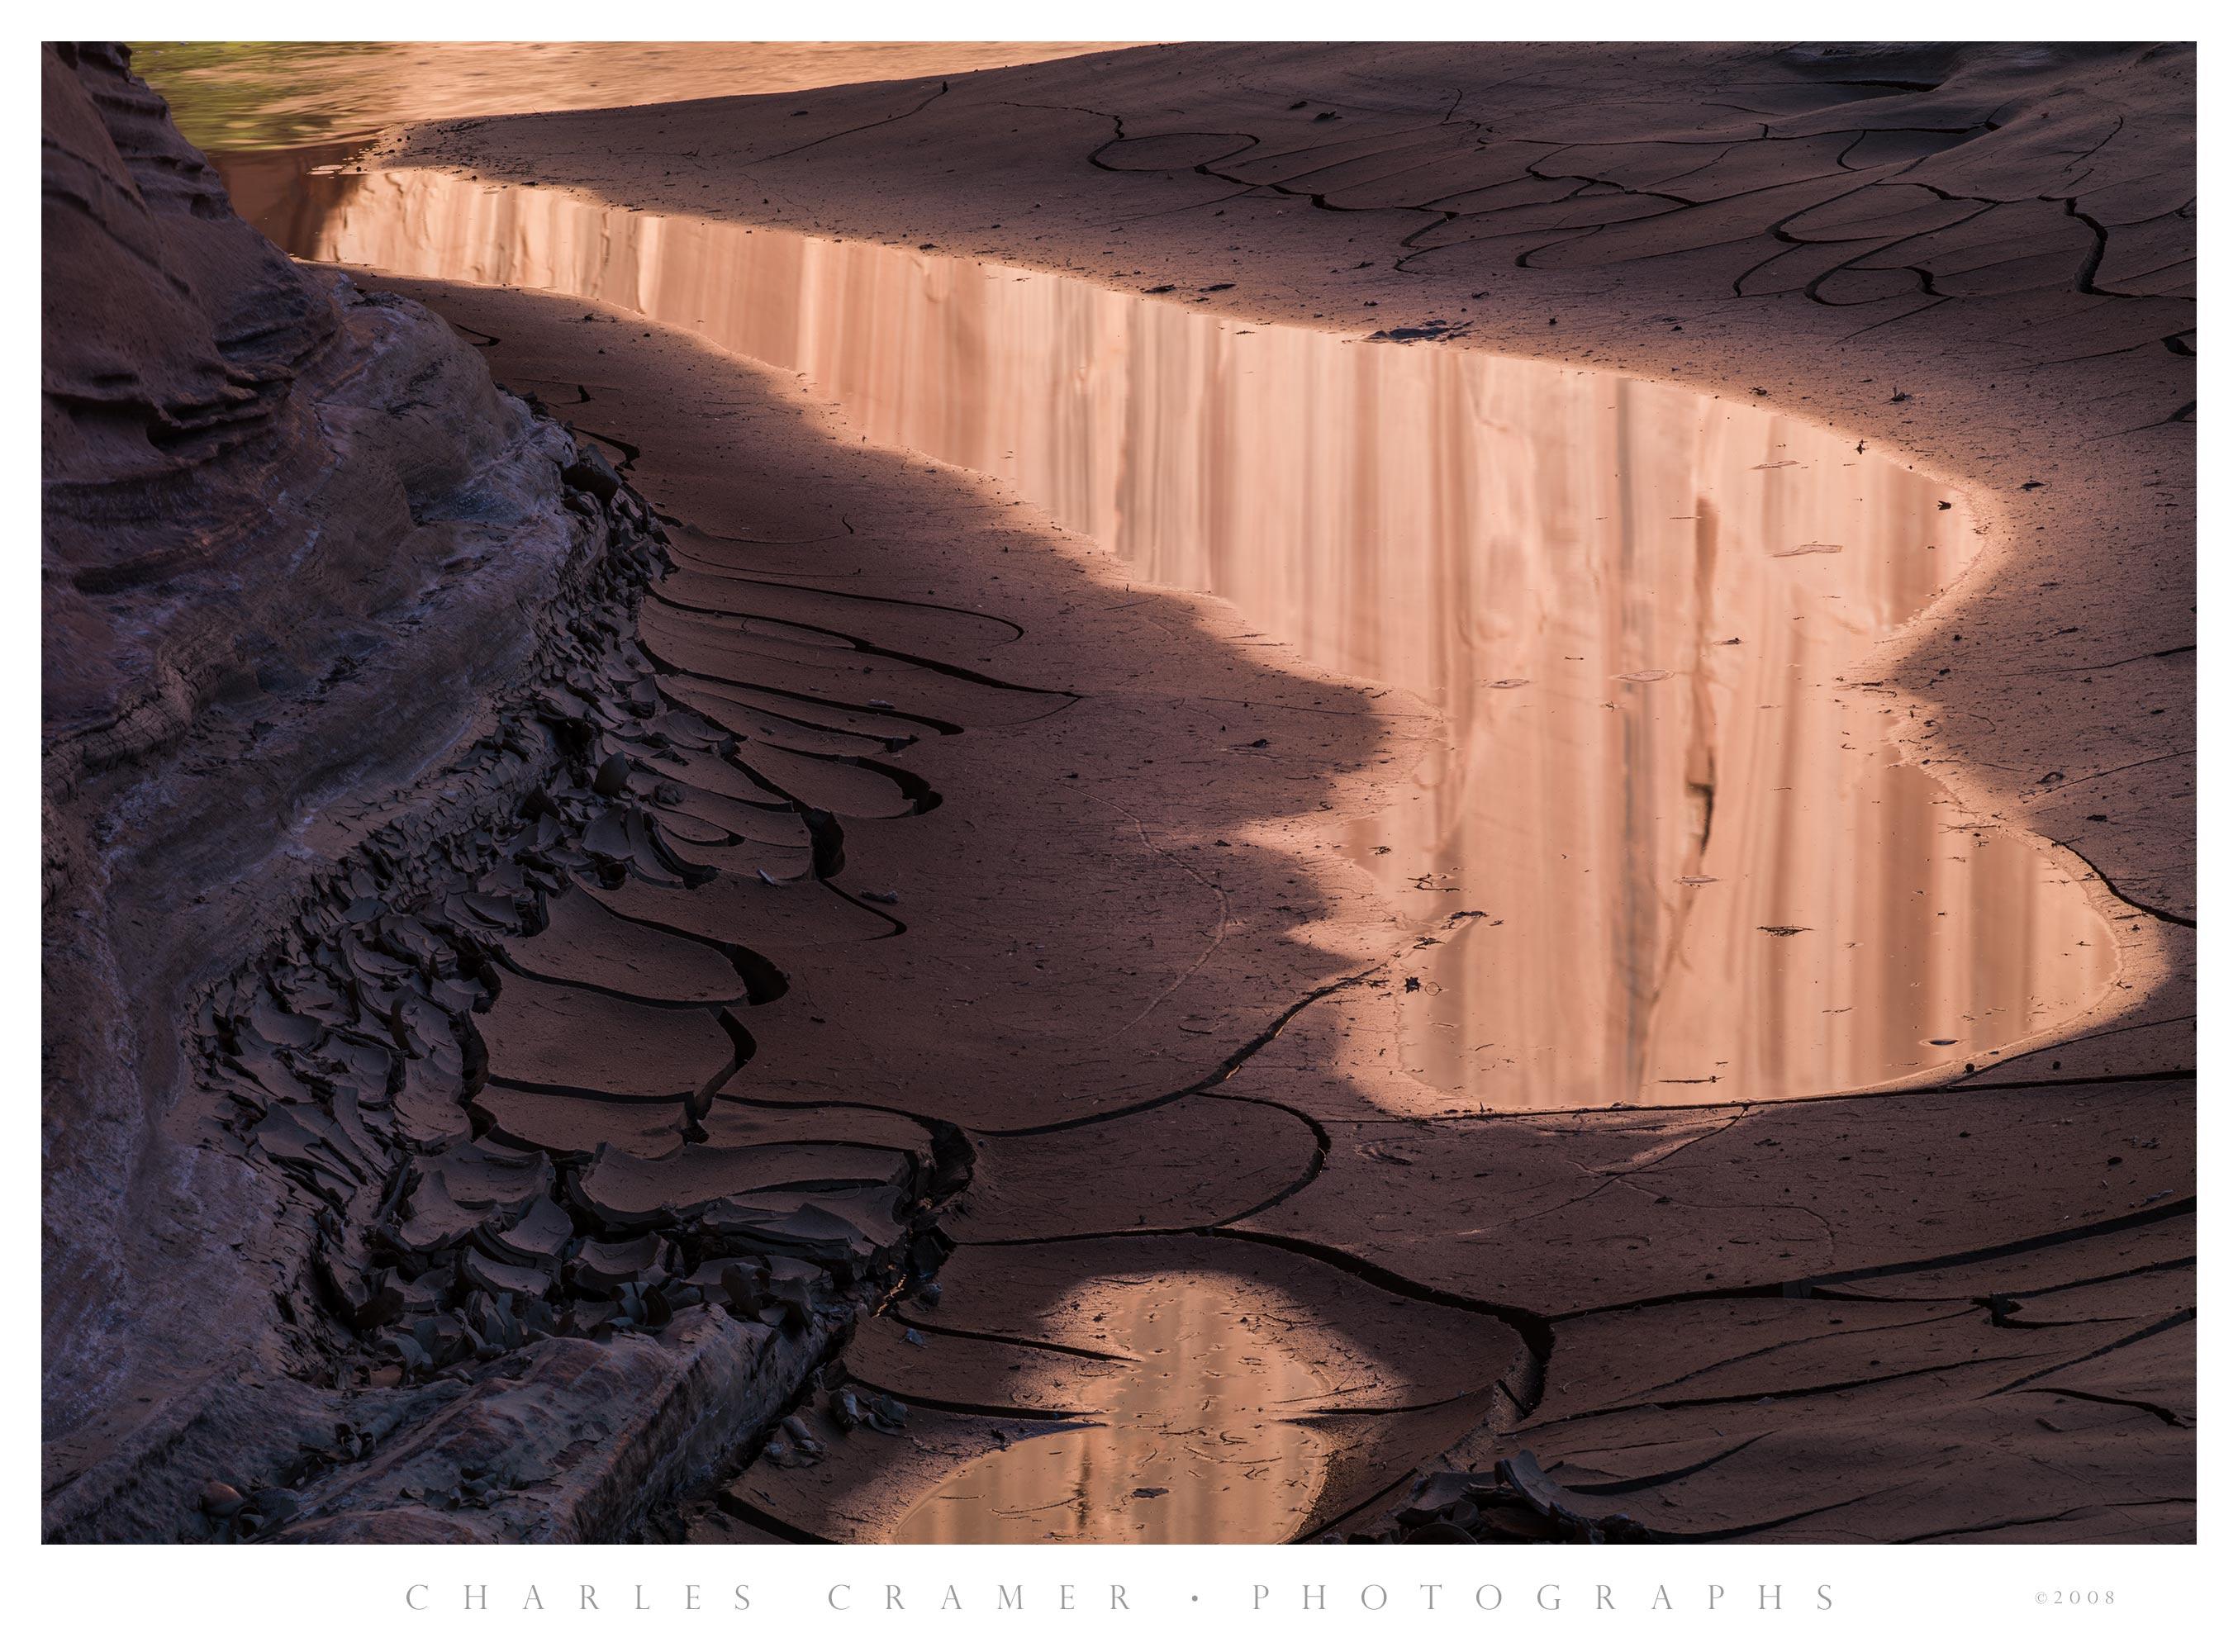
(903, 1320)
(767, 583)
(1756, 1397)
(2043, 1520)
(867, 126)
(861, 646)
(2114, 889)
(939, 725)
(1650, 1482)
(2146, 1405)
(2183, 1317)
(1810, 1284)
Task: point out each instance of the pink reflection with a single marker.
(1705, 874)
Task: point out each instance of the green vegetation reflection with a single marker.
(235, 95)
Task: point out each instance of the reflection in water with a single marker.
(1706, 876)
(1194, 1441)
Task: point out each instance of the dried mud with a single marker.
(1453, 1279)
(909, 923)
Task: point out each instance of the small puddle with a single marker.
(1196, 1440)
(1706, 875)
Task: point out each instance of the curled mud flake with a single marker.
(500, 1278)
(542, 1036)
(605, 1265)
(575, 1127)
(245, 1518)
(1136, 1171)
(800, 913)
(433, 1221)
(689, 830)
(277, 1027)
(537, 1240)
(586, 945)
(848, 786)
(888, 1415)
(853, 1234)
(613, 777)
(486, 1176)
(626, 1189)
(593, 475)
(1518, 1501)
(833, 670)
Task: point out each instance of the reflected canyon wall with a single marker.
(1200, 1431)
(1712, 876)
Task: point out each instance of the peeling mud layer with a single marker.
(874, 961)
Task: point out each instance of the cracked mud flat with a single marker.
(1135, 981)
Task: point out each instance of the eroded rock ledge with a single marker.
(332, 626)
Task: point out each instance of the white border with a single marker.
(192, 1597)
